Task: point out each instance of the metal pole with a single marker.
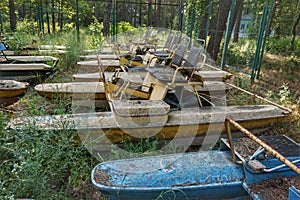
(287, 110)
(192, 22)
(229, 135)
(180, 16)
(207, 22)
(41, 16)
(114, 20)
(265, 37)
(1, 25)
(227, 34)
(265, 146)
(77, 20)
(38, 16)
(259, 42)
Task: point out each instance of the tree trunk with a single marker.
(158, 14)
(22, 11)
(53, 16)
(237, 9)
(204, 20)
(96, 10)
(106, 18)
(215, 40)
(238, 22)
(12, 15)
(150, 13)
(60, 14)
(140, 15)
(275, 7)
(295, 23)
(47, 18)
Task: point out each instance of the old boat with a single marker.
(11, 91)
(82, 91)
(31, 59)
(166, 105)
(214, 174)
(24, 71)
(101, 56)
(91, 66)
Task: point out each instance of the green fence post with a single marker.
(207, 22)
(259, 42)
(77, 20)
(41, 16)
(1, 25)
(265, 38)
(227, 35)
(180, 16)
(114, 21)
(192, 23)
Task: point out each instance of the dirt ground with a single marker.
(280, 75)
(275, 189)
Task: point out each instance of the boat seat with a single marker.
(191, 64)
(147, 42)
(174, 58)
(2, 49)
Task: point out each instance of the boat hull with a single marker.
(92, 66)
(102, 128)
(24, 69)
(11, 91)
(76, 90)
(202, 175)
(182, 176)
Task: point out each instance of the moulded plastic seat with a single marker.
(2, 47)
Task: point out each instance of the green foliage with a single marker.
(20, 38)
(27, 27)
(283, 46)
(241, 53)
(124, 26)
(75, 48)
(141, 146)
(284, 94)
(42, 164)
(95, 33)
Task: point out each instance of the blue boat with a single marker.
(215, 174)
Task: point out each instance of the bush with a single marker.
(282, 46)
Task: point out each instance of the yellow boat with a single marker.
(11, 91)
(166, 104)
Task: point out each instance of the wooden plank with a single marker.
(184, 123)
(93, 66)
(101, 56)
(32, 58)
(78, 90)
(20, 67)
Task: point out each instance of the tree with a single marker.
(216, 36)
(294, 26)
(204, 20)
(12, 15)
(106, 18)
(239, 7)
(158, 14)
(236, 10)
(53, 15)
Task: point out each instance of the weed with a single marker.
(284, 94)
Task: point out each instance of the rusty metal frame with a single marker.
(275, 153)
